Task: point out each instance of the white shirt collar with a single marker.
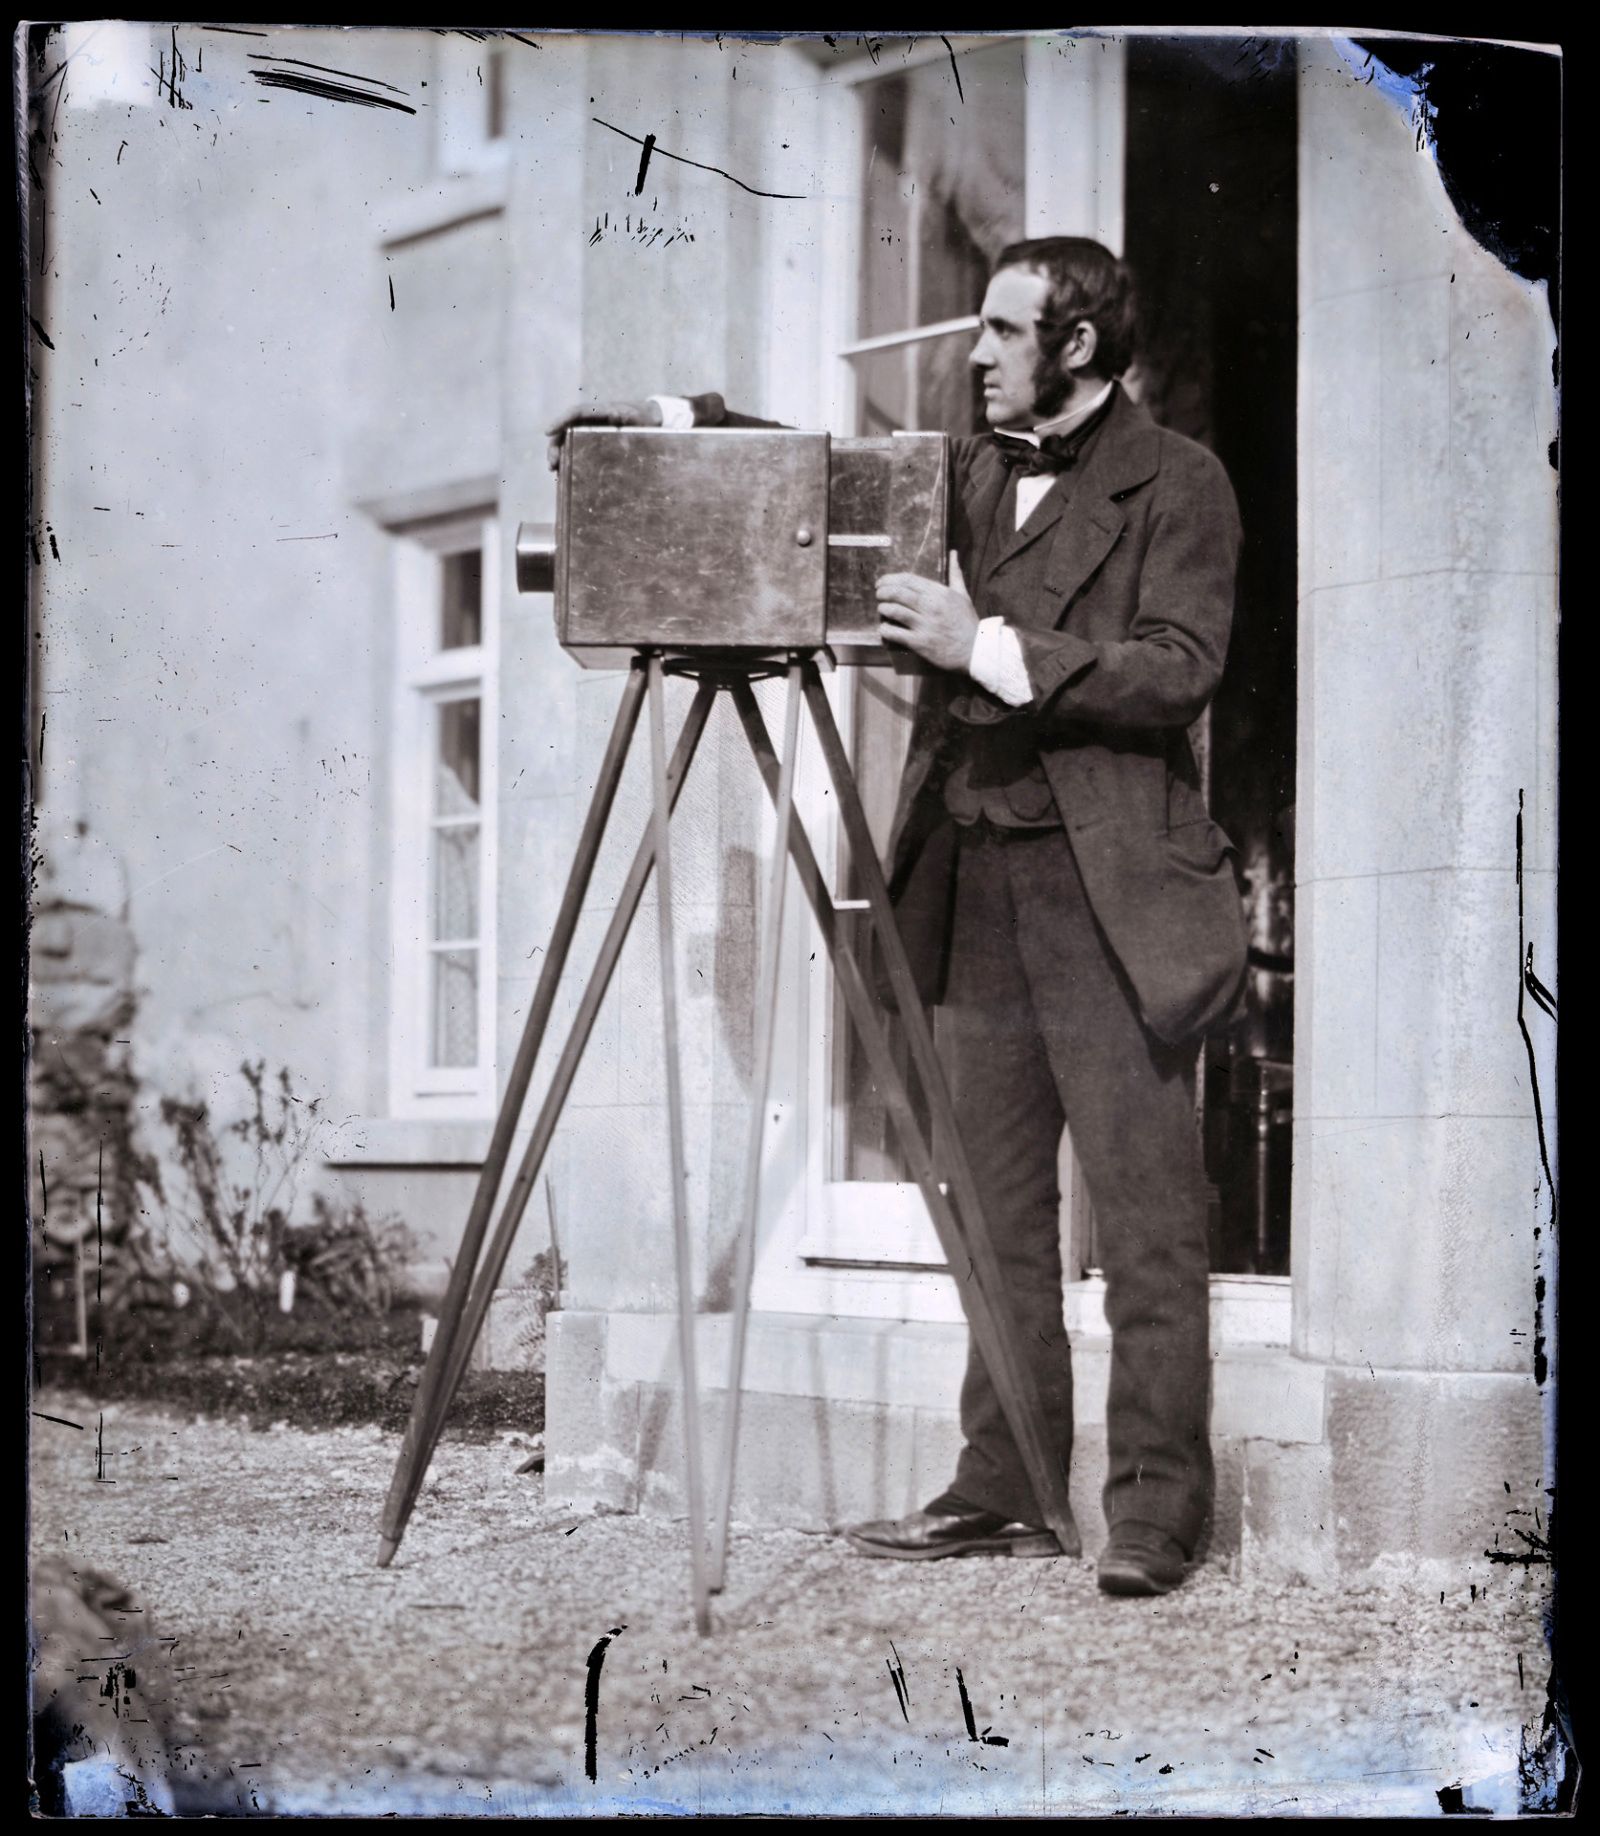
(1063, 423)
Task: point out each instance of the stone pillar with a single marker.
(677, 311)
(1427, 695)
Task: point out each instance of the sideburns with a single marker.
(1051, 385)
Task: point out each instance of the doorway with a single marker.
(1212, 227)
(1208, 161)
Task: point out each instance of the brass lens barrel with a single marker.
(536, 559)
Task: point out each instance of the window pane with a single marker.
(928, 387)
(942, 190)
(919, 387)
(461, 602)
(455, 883)
(453, 1027)
(886, 215)
(456, 772)
(942, 193)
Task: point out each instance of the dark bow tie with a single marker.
(1054, 453)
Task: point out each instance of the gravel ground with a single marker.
(289, 1675)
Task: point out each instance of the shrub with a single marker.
(344, 1259)
(234, 1189)
(231, 1198)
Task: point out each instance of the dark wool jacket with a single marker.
(1124, 651)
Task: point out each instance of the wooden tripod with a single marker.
(949, 1188)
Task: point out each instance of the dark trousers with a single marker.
(1042, 1027)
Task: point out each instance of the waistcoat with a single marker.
(995, 770)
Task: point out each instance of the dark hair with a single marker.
(1086, 282)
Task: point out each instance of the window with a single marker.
(938, 173)
(936, 210)
(442, 1050)
(937, 207)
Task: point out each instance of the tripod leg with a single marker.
(766, 1014)
(1013, 1380)
(680, 1194)
(544, 1128)
(988, 1330)
(450, 1313)
(561, 1081)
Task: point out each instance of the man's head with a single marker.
(1058, 323)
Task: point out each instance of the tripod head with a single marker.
(729, 540)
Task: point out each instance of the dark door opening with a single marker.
(1211, 195)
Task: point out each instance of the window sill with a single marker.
(434, 1141)
(1245, 1309)
(444, 205)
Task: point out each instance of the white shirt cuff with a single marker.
(677, 411)
(997, 663)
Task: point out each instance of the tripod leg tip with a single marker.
(386, 1548)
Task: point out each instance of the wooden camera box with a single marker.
(739, 540)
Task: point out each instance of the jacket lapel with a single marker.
(1127, 453)
(988, 487)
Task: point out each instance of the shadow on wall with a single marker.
(736, 976)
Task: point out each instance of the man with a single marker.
(1065, 895)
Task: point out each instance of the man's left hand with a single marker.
(937, 622)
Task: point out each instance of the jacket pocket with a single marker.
(924, 907)
(1202, 844)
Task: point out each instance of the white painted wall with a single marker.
(214, 656)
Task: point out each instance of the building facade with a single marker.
(302, 356)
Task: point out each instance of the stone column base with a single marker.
(1323, 1474)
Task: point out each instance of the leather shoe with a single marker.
(951, 1527)
(1141, 1559)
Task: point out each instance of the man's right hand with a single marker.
(600, 414)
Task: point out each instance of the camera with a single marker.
(735, 540)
